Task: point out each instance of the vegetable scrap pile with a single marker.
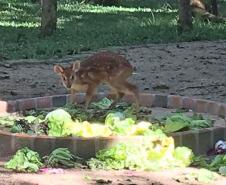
(100, 120)
(217, 164)
(178, 121)
(62, 157)
(156, 152)
(27, 160)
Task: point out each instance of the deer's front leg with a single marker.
(89, 94)
(73, 96)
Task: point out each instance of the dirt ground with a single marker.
(196, 69)
(123, 177)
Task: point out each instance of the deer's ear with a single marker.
(76, 65)
(58, 69)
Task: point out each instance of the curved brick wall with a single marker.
(200, 140)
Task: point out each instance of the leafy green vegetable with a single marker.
(184, 154)
(118, 157)
(102, 104)
(179, 121)
(118, 123)
(21, 125)
(200, 161)
(197, 124)
(16, 129)
(61, 157)
(59, 123)
(141, 128)
(85, 129)
(217, 164)
(33, 119)
(176, 122)
(77, 112)
(29, 125)
(25, 160)
(156, 152)
(41, 114)
(7, 121)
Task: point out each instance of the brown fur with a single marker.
(103, 67)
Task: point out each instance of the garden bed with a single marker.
(89, 148)
(198, 140)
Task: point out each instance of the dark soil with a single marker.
(196, 69)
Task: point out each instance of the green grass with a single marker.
(83, 27)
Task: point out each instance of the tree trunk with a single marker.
(214, 7)
(49, 17)
(185, 16)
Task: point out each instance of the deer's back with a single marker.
(104, 66)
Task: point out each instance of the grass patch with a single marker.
(83, 27)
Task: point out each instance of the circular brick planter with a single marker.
(199, 140)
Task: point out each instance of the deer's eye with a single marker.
(72, 77)
(64, 78)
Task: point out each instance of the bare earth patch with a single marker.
(123, 177)
(196, 69)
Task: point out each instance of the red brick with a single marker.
(205, 140)
(44, 102)
(146, 99)
(85, 147)
(3, 106)
(20, 141)
(218, 134)
(44, 145)
(5, 143)
(59, 100)
(188, 103)
(222, 110)
(26, 104)
(65, 142)
(201, 106)
(160, 100)
(11, 106)
(103, 143)
(213, 108)
(174, 102)
(190, 139)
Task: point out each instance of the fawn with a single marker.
(103, 67)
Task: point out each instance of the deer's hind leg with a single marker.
(115, 95)
(124, 87)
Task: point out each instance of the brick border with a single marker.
(199, 140)
(151, 100)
